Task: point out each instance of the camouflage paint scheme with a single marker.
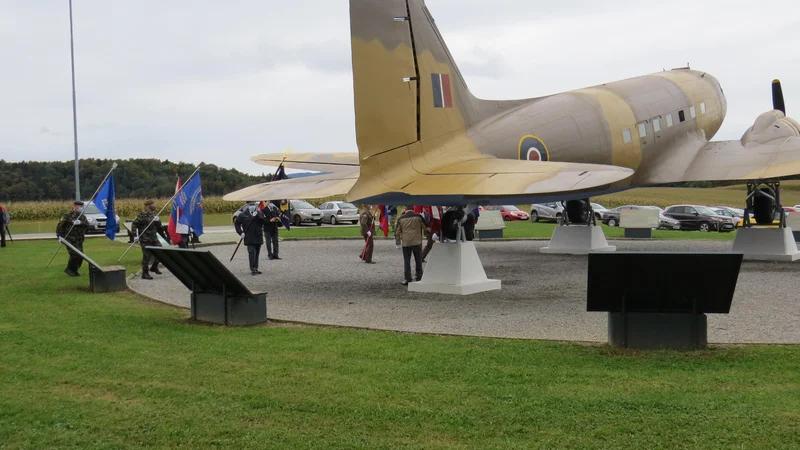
(423, 138)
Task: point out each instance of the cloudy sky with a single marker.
(221, 81)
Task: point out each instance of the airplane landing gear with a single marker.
(578, 212)
(764, 202)
(766, 244)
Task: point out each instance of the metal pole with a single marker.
(74, 108)
(161, 210)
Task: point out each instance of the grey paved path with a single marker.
(543, 296)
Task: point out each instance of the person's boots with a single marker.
(146, 274)
(154, 269)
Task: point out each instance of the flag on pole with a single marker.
(174, 228)
(190, 202)
(384, 224)
(283, 205)
(104, 201)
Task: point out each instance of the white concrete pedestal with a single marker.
(578, 240)
(454, 268)
(766, 244)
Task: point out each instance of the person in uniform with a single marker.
(147, 235)
(410, 228)
(367, 221)
(249, 226)
(5, 218)
(391, 216)
(433, 217)
(72, 228)
(272, 223)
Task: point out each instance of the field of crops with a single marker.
(725, 196)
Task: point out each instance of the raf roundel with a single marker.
(531, 148)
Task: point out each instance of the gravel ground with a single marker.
(543, 296)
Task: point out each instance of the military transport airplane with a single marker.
(424, 139)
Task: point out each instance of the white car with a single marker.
(339, 212)
(96, 219)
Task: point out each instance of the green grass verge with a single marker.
(82, 370)
(525, 229)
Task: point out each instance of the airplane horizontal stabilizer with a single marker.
(489, 178)
(323, 162)
(321, 186)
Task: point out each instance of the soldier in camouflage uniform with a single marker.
(75, 221)
(148, 237)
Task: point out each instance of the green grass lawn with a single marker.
(82, 370)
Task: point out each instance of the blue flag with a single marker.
(105, 203)
(190, 201)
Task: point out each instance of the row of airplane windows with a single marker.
(626, 133)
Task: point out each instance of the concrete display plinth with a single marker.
(677, 331)
(766, 244)
(454, 268)
(578, 240)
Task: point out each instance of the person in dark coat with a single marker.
(248, 225)
(5, 218)
(72, 228)
(367, 221)
(147, 236)
(272, 224)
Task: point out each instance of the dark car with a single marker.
(696, 217)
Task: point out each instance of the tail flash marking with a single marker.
(442, 91)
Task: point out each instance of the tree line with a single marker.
(133, 178)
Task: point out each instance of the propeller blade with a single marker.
(777, 96)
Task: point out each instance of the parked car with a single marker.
(664, 222)
(551, 211)
(729, 214)
(338, 212)
(611, 217)
(304, 212)
(96, 219)
(599, 210)
(703, 218)
(508, 212)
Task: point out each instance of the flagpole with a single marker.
(102, 183)
(162, 209)
(74, 110)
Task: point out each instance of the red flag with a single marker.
(174, 215)
(384, 220)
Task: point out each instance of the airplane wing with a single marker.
(769, 149)
(323, 162)
(320, 186)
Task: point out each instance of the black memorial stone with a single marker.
(660, 300)
(217, 295)
(101, 279)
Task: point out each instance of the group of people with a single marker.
(416, 225)
(254, 225)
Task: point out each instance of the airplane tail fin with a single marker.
(407, 87)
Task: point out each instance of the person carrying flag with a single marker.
(72, 228)
(433, 217)
(248, 225)
(367, 221)
(272, 223)
(147, 235)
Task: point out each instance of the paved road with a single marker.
(543, 296)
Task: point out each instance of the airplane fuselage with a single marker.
(641, 123)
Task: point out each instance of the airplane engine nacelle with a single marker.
(764, 207)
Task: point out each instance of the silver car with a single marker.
(547, 211)
(96, 219)
(338, 212)
(304, 212)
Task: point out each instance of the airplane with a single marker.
(424, 139)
